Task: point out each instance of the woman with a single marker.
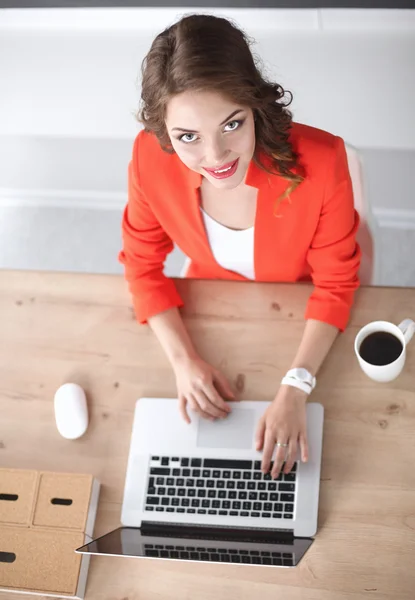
(222, 170)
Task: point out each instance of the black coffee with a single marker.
(380, 348)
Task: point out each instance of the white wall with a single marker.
(72, 72)
(69, 82)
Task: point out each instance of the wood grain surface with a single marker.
(57, 327)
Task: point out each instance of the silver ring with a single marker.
(282, 445)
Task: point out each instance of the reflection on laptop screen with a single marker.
(212, 545)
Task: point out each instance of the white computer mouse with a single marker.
(71, 411)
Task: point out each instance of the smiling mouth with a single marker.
(222, 169)
(225, 171)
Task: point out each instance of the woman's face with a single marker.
(208, 131)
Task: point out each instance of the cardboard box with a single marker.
(44, 517)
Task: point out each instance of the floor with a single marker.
(88, 240)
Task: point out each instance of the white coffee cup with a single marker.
(404, 332)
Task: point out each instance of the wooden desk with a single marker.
(56, 328)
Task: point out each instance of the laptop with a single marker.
(196, 492)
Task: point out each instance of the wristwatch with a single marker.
(301, 379)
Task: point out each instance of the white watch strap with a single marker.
(301, 385)
(302, 374)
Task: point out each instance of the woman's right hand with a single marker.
(202, 387)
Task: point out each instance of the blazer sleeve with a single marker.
(145, 247)
(334, 255)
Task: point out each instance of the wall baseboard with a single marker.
(392, 218)
(83, 199)
(395, 218)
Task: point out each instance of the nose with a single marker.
(216, 154)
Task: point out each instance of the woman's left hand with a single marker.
(284, 421)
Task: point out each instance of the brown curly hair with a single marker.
(205, 52)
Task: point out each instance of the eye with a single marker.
(181, 138)
(239, 123)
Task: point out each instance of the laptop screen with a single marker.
(213, 545)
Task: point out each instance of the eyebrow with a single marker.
(235, 112)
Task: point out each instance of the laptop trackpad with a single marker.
(236, 431)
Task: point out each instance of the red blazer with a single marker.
(312, 236)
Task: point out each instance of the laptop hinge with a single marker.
(240, 534)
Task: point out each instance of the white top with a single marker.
(233, 249)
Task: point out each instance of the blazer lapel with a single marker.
(268, 226)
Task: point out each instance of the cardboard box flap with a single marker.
(17, 495)
(63, 501)
(39, 560)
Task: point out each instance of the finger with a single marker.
(304, 447)
(223, 385)
(259, 436)
(291, 454)
(279, 457)
(216, 406)
(194, 403)
(183, 410)
(207, 407)
(269, 445)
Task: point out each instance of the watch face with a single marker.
(305, 376)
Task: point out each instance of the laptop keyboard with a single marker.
(250, 557)
(235, 488)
